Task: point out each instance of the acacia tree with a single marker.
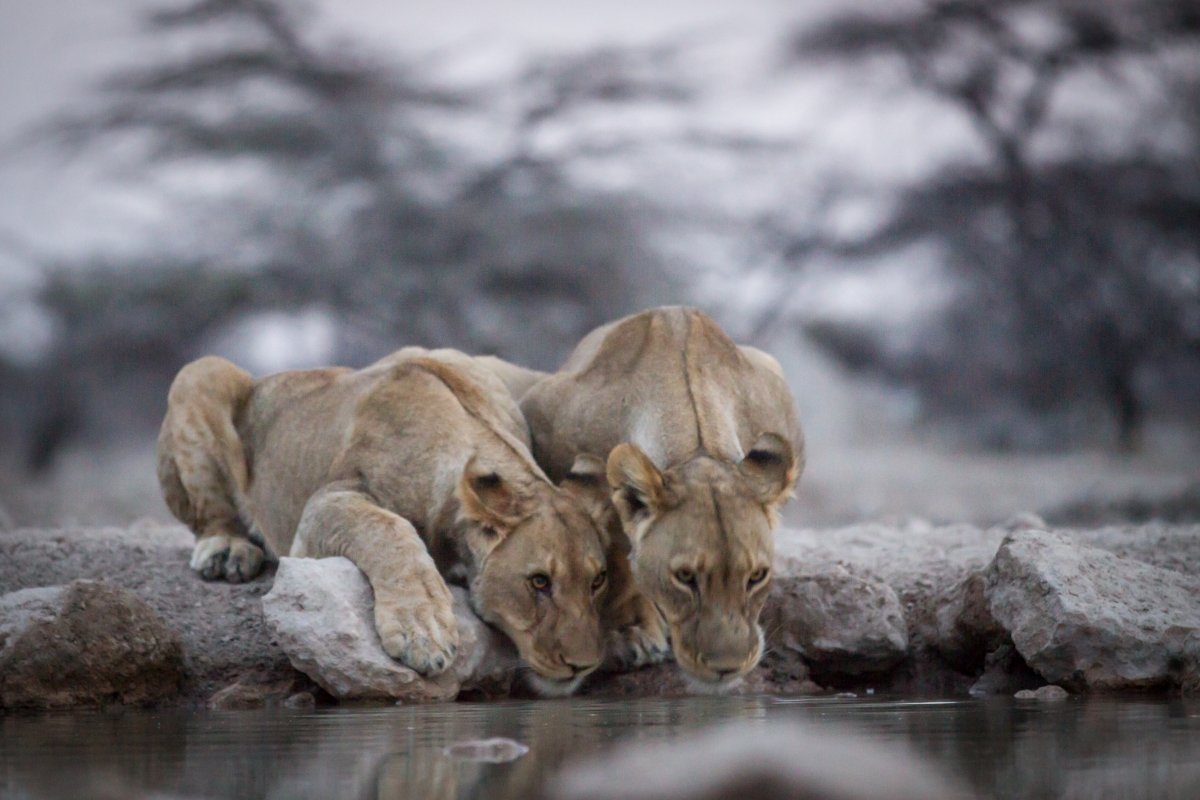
(360, 208)
(1076, 270)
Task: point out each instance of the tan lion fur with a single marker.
(415, 467)
(702, 445)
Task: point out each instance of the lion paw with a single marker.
(421, 635)
(233, 558)
(639, 645)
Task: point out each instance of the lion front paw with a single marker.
(233, 558)
(419, 633)
(641, 644)
(631, 648)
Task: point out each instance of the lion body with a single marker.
(415, 467)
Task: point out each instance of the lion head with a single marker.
(539, 572)
(703, 548)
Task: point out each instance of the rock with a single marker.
(322, 614)
(1024, 521)
(242, 696)
(1005, 672)
(768, 761)
(301, 701)
(220, 624)
(497, 750)
(966, 631)
(1086, 618)
(843, 620)
(1046, 694)
(87, 643)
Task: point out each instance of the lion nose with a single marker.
(724, 673)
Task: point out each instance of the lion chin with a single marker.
(699, 685)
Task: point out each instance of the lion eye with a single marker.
(686, 577)
(758, 576)
(599, 580)
(540, 583)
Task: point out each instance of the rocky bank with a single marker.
(907, 608)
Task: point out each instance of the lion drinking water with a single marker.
(413, 468)
(702, 446)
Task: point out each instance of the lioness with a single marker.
(703, 446)
(417, 463)
(635, 632)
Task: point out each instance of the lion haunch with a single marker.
(701, 446)
(413, 468)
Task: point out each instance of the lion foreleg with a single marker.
(414, 613)
(637, 633)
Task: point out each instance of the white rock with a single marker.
(321, 611)
(1086, 617)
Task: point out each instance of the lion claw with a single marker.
(635, 646)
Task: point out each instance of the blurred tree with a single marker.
(1075, 268)
(360, 209)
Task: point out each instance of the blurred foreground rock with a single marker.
(322, 614)
(774, 761)
(86, 644)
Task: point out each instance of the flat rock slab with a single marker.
(322, 614)
(1086, 618)
(85, 644)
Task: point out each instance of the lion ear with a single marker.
(771, 470)
(486, 498)
(637, 486)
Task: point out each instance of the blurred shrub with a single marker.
(1077, 267)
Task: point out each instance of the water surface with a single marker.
(1004, 749)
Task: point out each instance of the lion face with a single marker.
(540, 575)
(703, 548)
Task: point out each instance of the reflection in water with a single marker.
(1078, 749)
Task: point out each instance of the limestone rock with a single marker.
(769, 761)
(87, 643)
(322, 614)
(844, 620)
(1087, 618)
